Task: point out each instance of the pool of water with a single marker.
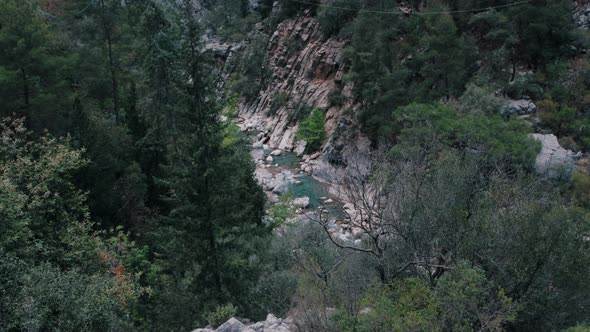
(309, 187)
(287, 159)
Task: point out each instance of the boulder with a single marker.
(281, 188)
(233, 325)
(273, 324)
(276, 153)
(299, 148)
(257, 145)
(258, 327)
(553, 161)
(273, 199)
(315, 155)
(519, 107)
(269, 159)
(301, 202)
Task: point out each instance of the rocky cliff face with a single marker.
(304, 69)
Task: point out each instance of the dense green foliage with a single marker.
(311, 130)
(398, 59)
(145, 151)
(127, 192)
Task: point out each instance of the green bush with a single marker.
(557, 117)
(581, 189)
(332, 20)
(523, 86)
(479, 101)
(404, 305)
(221, 314)
(312, 130)
(489, 136)
(335, 98)
(301, 112)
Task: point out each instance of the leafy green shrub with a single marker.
(335, 98)
(301, 112)
(287, 9)
(404, 305)
(479, 101)
(581, 189)
(523, 86)
(491, 136)
(312, 130)
(274, 293)
(221, 314)
(332, 20)
(471, 300)
(282, 211)
(558, 118)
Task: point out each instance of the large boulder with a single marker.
(553, 161)
(301, 202)
(519, 107)
(281, 188)
(233, 325)
(299, 148)
(273, 324)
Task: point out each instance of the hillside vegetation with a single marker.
(128, 195)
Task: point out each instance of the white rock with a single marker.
(233, 325)
(269, 159)
(257, 145)
(276, 153)
(273, 199)
(301, 202)
(281, 188)
(273, 324)
(300, 148)
(328, 201)
(553, 161)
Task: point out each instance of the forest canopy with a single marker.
(129, 197)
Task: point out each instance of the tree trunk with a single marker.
(25, 88)
(114, 83)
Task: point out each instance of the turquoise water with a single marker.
(287, 159)
(309, 187)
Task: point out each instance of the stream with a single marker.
(300, 184)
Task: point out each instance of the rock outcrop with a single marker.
(304, 69)
(582, 13)
(519, 107)
(271, 324)
(553, 161)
